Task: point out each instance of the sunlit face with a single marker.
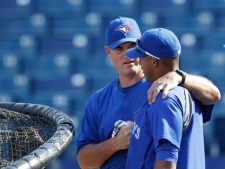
(125, 66)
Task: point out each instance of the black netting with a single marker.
(20, 134)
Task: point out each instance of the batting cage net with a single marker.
(32, 135)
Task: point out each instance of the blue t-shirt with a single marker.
(103, 109)
(163, 120)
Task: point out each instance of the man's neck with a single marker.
(129, 81)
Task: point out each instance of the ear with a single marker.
(107, 50)
(155, 62)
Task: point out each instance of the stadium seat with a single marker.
(215, 162)
(98, 45)
(100, 61)
(221, 25)
(89, 24)
(61, 8)
(18, 85)
(213, 63)
(59, 65)
(190, 61)
(10, 65)
(79, 44)
(6, 97)
(209, 137)
(199, 23)
(214, 129)
(147, 20)
(190, 42)
(76, 84)
(213, 5)
(57, 100)
(16, 8)
(35, 24)
(103, 77)
(68, 94)
(113, 8)
(219, 108)
(168, 6)
(214, 42)
(219, 129)
(98, 70)
(25, 45)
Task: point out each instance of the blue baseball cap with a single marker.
(121, 30)
(158, 43)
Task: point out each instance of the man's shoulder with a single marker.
(177, 91)
(174, 95)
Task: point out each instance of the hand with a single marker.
(123, 136)
(165, 83)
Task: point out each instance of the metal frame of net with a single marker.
(32, 135)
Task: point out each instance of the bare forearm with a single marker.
(94, 155)
(160, 164)
(202, 89)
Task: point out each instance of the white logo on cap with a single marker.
(124, 28)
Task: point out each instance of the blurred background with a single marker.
(51, 53)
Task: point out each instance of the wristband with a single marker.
(182, 74)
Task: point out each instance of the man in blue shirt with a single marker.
(122, 97)
(158, 138)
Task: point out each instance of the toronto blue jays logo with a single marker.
(124, 28)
